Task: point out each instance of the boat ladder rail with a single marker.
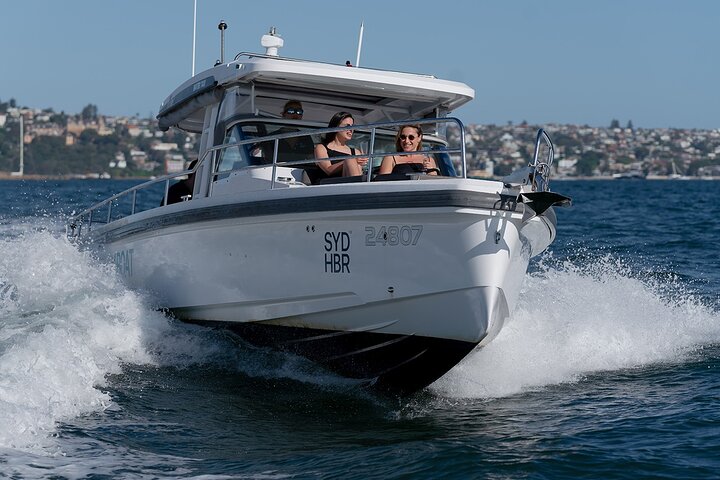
(537, 174)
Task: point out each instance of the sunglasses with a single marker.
(294, 111)
(408, 137)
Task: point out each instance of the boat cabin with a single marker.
(237, 108)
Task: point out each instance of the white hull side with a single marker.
(454, 282)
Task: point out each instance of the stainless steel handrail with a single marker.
(542, 169)
(372, 127)
(75, 223)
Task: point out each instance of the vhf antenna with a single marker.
(222, 26)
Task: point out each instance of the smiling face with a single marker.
(409, 139)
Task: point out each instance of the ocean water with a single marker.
(609, 367)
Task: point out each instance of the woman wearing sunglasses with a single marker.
(335, 144)
(409, 139)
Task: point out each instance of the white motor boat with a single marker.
(389, 279)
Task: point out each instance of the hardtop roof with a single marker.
(372, 94)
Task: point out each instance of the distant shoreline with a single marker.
(33, 177)
(6, 176)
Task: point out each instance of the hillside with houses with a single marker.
(91, 145)
(584, 151)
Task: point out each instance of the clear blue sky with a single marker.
(654, 62)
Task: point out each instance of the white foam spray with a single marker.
(575, 320)
(72, 324)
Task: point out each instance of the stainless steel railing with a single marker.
(542, 164)
(88, 217)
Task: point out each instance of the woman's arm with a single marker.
(325, 165)
(387, 165)
(358, 163)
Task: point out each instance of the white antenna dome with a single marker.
(271, 42)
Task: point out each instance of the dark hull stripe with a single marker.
(314, 204)
(396, 364)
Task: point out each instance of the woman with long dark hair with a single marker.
(335, 144)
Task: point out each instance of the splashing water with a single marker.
(73, 323)
(575, 320)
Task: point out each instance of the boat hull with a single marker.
(391, 293)
(394, 364)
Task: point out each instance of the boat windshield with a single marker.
(245, 145)
(261, 154)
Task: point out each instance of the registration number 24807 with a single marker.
(392, 235)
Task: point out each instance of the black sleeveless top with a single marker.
(408, 168)
(316, 173)
(405, 168)
(335, 153)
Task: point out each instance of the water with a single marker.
(609, 368)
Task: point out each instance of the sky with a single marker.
(652, 62)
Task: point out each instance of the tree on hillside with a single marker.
(588, 162)
(9, 148)
(89, 113)
(563, 139)
(694, 166)
(59, 118)
(630, 125)
(88, 136)
(46, 156)
(5, 105)
(615, 123)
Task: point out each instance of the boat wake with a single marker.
(575, 319)
(72, 324)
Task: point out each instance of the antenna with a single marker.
(360, 39)
(194, 30)
(271, 41)
(222, 26)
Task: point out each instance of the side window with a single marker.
(231, 158)
(239, 156)
(255, 153)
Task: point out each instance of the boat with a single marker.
(387, 279)
(675, 175)
(629, 175)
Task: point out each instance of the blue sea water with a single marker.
(609, 367)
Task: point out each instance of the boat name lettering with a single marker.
(393, 235)
(199, 85)
(124, 262)
(337, 258)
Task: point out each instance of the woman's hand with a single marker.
(430, 167)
